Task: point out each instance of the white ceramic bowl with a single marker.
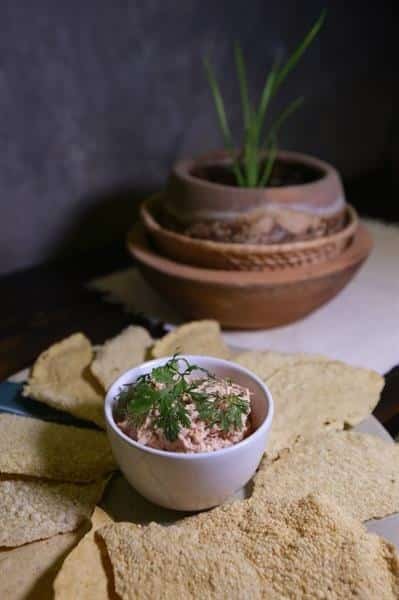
(192, 481)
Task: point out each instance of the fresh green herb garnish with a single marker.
(165, 392)
(232, 418)
(225, 411)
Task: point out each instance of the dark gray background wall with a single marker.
(97, 99)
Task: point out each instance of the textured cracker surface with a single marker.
(83, 575)
(42, 449)
(27, 572)
(120, 353)
(264, 364)
(311, 398)
(359, 471)
(197, 337)
(35, 509)
(305, 549)
(172, 563)
(62, 379)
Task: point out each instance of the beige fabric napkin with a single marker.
(359, 326)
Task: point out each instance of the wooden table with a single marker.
(45, 304)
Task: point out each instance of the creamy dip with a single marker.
(186, 413)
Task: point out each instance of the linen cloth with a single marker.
(360, 326)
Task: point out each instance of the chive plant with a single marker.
(249, 167)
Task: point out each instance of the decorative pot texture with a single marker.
(192, 198)
(243, 257)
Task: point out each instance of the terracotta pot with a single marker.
(192, 196)
(243, 257)
(247, 299)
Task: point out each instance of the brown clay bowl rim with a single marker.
(139, 248)
(152, 225)
(183, 170)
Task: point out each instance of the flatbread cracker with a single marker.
(308, 548)
(62, 379)
(28, 572)
(33, 510)
(158, 562)
(359, 471)
(311, 398)
(83, 574)
(121, 353)
(265, 363)
(197, 337)
(41, 449)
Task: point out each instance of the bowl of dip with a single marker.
(188, 431)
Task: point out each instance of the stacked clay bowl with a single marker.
(245, 299)
(258, 277)
(244, 257)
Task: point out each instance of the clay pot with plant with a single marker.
(255, 194)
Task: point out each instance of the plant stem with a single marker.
(283, 116)
(271, 157)
(223, 122)
(249, 172)
(242, 81)
(300, 49)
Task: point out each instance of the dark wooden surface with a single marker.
(42, 305)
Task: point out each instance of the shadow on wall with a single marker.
(104, 218)
(90, 99)
(373, 193)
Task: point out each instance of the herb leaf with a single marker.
(138, 400)
(232, 418)
(165, 392)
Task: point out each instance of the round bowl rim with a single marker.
(183, 167)
(153, 226)
(264, 427)
(145, 255)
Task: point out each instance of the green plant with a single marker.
(248, 166)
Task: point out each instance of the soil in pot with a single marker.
(284, 173)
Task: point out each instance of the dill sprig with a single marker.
(164, 392)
